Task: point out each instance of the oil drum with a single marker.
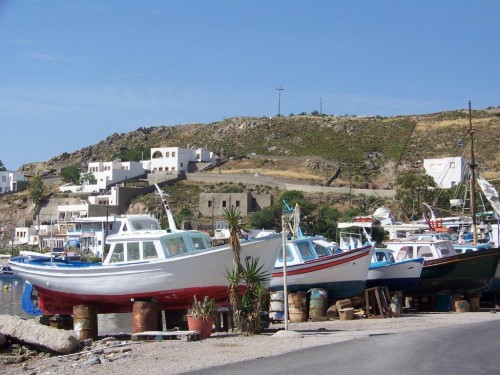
(85, 322)
(297, 307)
(317, 303)
(144, 316)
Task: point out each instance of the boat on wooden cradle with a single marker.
(313, 262)
(144, 263)
(395, 275)
(446, 271)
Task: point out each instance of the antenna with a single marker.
(170, 217)
(280, 89)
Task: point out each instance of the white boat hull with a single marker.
(111, 288)
(343, 275)
(399, 276)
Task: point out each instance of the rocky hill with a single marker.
(370, 151)
(365, 146)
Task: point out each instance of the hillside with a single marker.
(372, 148)
(371, 151)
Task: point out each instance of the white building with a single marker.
(106, 174)
(9, 181)
(447, 172)
(177, 159)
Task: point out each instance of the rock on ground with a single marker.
(38, 336)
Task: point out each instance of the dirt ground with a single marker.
(180, 356)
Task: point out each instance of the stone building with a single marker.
(213, 204)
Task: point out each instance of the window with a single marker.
(289, 255)
(452, 164)
(118, 254)
(133, 251)
(149, 250)
(182, 165)
(406, 252)
(237, 203)
(322, 251)
(209, 204)
(199, 243)
(173, 154)
(175, 246)
(224, 203)
(305, 250)
(167, 154)
(424, 251)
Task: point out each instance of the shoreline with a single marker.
(179, 356)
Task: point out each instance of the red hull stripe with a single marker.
(308, 267)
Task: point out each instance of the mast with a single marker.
(472, 172)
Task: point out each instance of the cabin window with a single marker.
(381, 257)
(322, 251)
(176, 246)
(424, 251)
(406, 252)
(289, 255)
(149, 250)
(199, 243)
(305, 250)
(133, 251)
(118, 254)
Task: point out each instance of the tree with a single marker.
(2, 167)
(36, 190)
(88, 179)
(70, 174)
(412, 189)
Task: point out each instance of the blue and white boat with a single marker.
(313, 262)
(396, 275)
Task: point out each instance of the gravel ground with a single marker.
(180, 356)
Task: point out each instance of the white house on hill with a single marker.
(447, 172)
(106, 174)
(177, 159)
(9, 181)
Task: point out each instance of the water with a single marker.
(10, 304)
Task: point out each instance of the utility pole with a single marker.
(280, 89)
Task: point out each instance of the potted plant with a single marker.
(200, 316)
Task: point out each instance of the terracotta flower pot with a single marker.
(204, 325)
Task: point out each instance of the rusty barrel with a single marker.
(85, 322)
(297, 307)
(318, 299)
(144, 316)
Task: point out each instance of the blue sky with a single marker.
(74, 72)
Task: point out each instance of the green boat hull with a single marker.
(464, 273)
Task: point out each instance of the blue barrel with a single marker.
(317, 303)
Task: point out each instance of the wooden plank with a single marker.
(190, 335)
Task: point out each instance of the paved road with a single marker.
(469, 350)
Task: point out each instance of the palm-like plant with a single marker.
(236, 228)
(246, 306)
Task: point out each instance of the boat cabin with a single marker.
(143, 240)
(383, 256)
(305, 249)
(421, 249)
